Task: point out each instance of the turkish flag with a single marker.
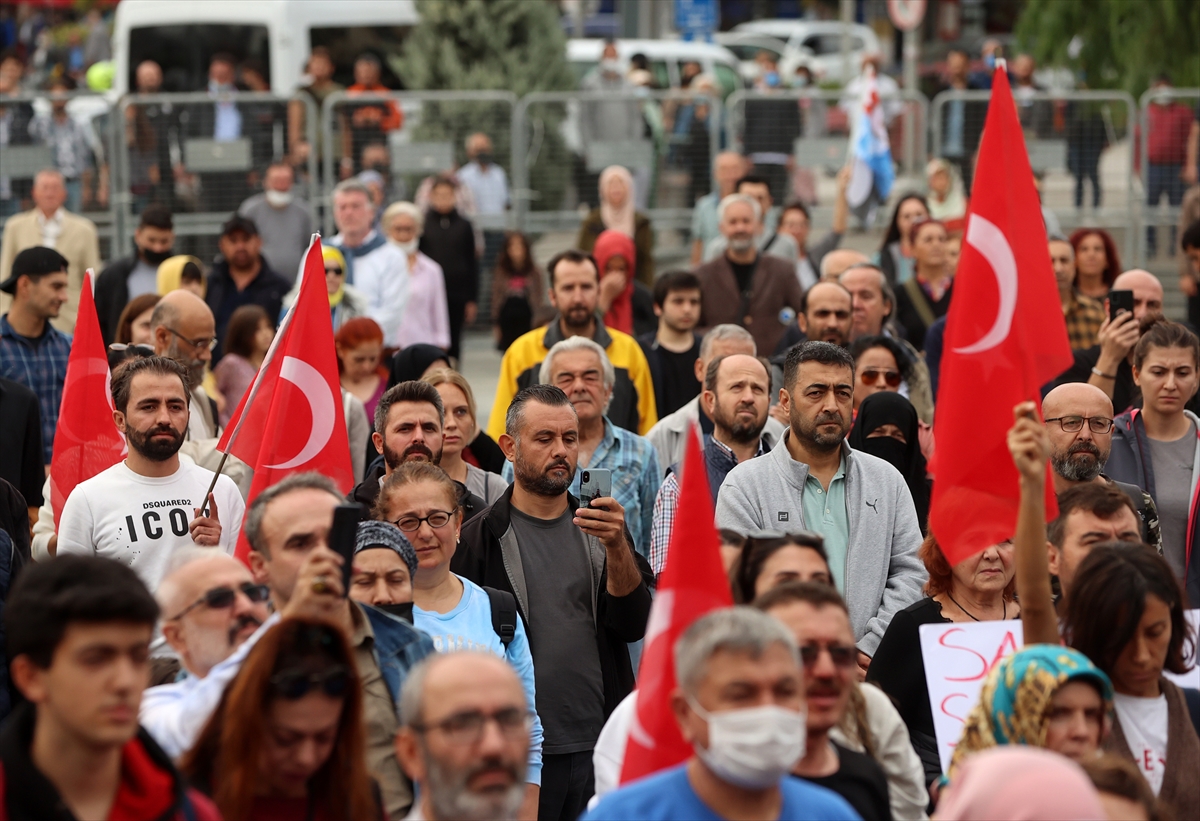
(692, 583)
(87, 440)
(1005, 338)
(291, 419)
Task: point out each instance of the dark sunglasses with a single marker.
(294, 684)
(841, 655)
(221, 597)
(335, 271)
(871, 377)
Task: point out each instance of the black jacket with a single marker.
(21, 456)
(367, 491)
(485, 555)
(112, 294)
(29, 796)
(267, 290)
(449, 240)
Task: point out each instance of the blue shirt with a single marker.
(668, 796)
(40, 365)
(468, 626)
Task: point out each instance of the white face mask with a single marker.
(409, 247)
(752, 748)
(278, 199)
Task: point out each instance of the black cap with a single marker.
(239, 223)
(36, 261)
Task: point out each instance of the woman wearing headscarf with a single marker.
(1009, 783)
(1035, 697)
(345, 301)
(887, 427)
(411, 363)
(618, 213)
(171, 275)
(616, 258)
(947, 200)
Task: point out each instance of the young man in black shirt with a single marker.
(674, 349)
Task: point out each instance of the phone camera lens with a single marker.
(586, 476)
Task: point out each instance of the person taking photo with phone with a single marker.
(581, 589)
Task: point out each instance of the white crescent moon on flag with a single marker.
(989, 241)
(320, 401)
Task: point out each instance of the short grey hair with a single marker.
(577, 343)
(169, 589)
(738, 629)
(310, 480)
(885, 288)
(408, 209)
(354, 186)
(726, 331)
(734, 199)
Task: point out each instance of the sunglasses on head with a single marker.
(871, 377)
(842, 655)
(219, 598)
(294, 684)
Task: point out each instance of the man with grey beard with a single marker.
(184, 330)
(1079, 422)
(464, 737)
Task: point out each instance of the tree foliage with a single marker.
(1122, 44)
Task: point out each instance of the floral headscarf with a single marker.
(1016, 694)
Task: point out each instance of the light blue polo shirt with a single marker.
(825, 513)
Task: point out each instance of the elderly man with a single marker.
(583, 371)
(737, 395)
(1109, 364)
(374, 266)
(728, 168)
(813, 479)
(212, 612)
(464, 737)
(581, 588)
(1079, 423)
(285, 222)
(835, 263)
(183, 328)
(740, 678)
(770, 239)
(242, 276)
(742, 286)
(50, 225)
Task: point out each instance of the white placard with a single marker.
(1192, 677)
(957, 659)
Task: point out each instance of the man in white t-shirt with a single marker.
(143, 509)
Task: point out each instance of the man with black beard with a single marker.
(464, 772)
(737, 393)
(1078, 454)
(814, 480)
(408, 428)
(580, 587)
(142, 510)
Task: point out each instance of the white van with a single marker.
(278, 35)
(666, 59)
(818, 44)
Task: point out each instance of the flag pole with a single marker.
(213, 484)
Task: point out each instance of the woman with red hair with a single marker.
(1097, 263)
(359, 345)
(287, 740)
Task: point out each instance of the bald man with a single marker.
(835, 263)
(1108, 364)
(1078, 456)
(464, 771)
(184, 329)
(825, 312)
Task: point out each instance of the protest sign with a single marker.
(957, 659)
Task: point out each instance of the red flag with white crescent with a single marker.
(692, 583)
(291, 419)
(1005, 338)
(86, 440)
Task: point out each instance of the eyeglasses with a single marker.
(1074, 424)
(337, 272)
(203, 343)
(294, 684)
(467, 728)
(221, 597)
(842, 655)
(871, 377)
(411, 524)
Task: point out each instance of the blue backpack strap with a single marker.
(504, 614)
(186, 807)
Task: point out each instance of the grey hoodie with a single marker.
(883, 574)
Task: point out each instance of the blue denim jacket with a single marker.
(398, 648)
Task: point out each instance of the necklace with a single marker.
(968, 612)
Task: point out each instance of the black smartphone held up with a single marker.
(1119, 301)
(594, 484)
(342, 537)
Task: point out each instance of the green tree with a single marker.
(1122, 44)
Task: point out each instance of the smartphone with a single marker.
(1119, 301)
(594, 484)
(343, 535)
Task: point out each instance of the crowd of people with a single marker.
(479, 657)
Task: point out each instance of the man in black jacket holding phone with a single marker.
(580, 587)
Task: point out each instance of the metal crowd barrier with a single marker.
(1163, 180)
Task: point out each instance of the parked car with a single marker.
(819, 42)
(666, 57)
(747, 45)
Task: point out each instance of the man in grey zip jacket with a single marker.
(859, 503)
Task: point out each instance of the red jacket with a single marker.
(1168, 127)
